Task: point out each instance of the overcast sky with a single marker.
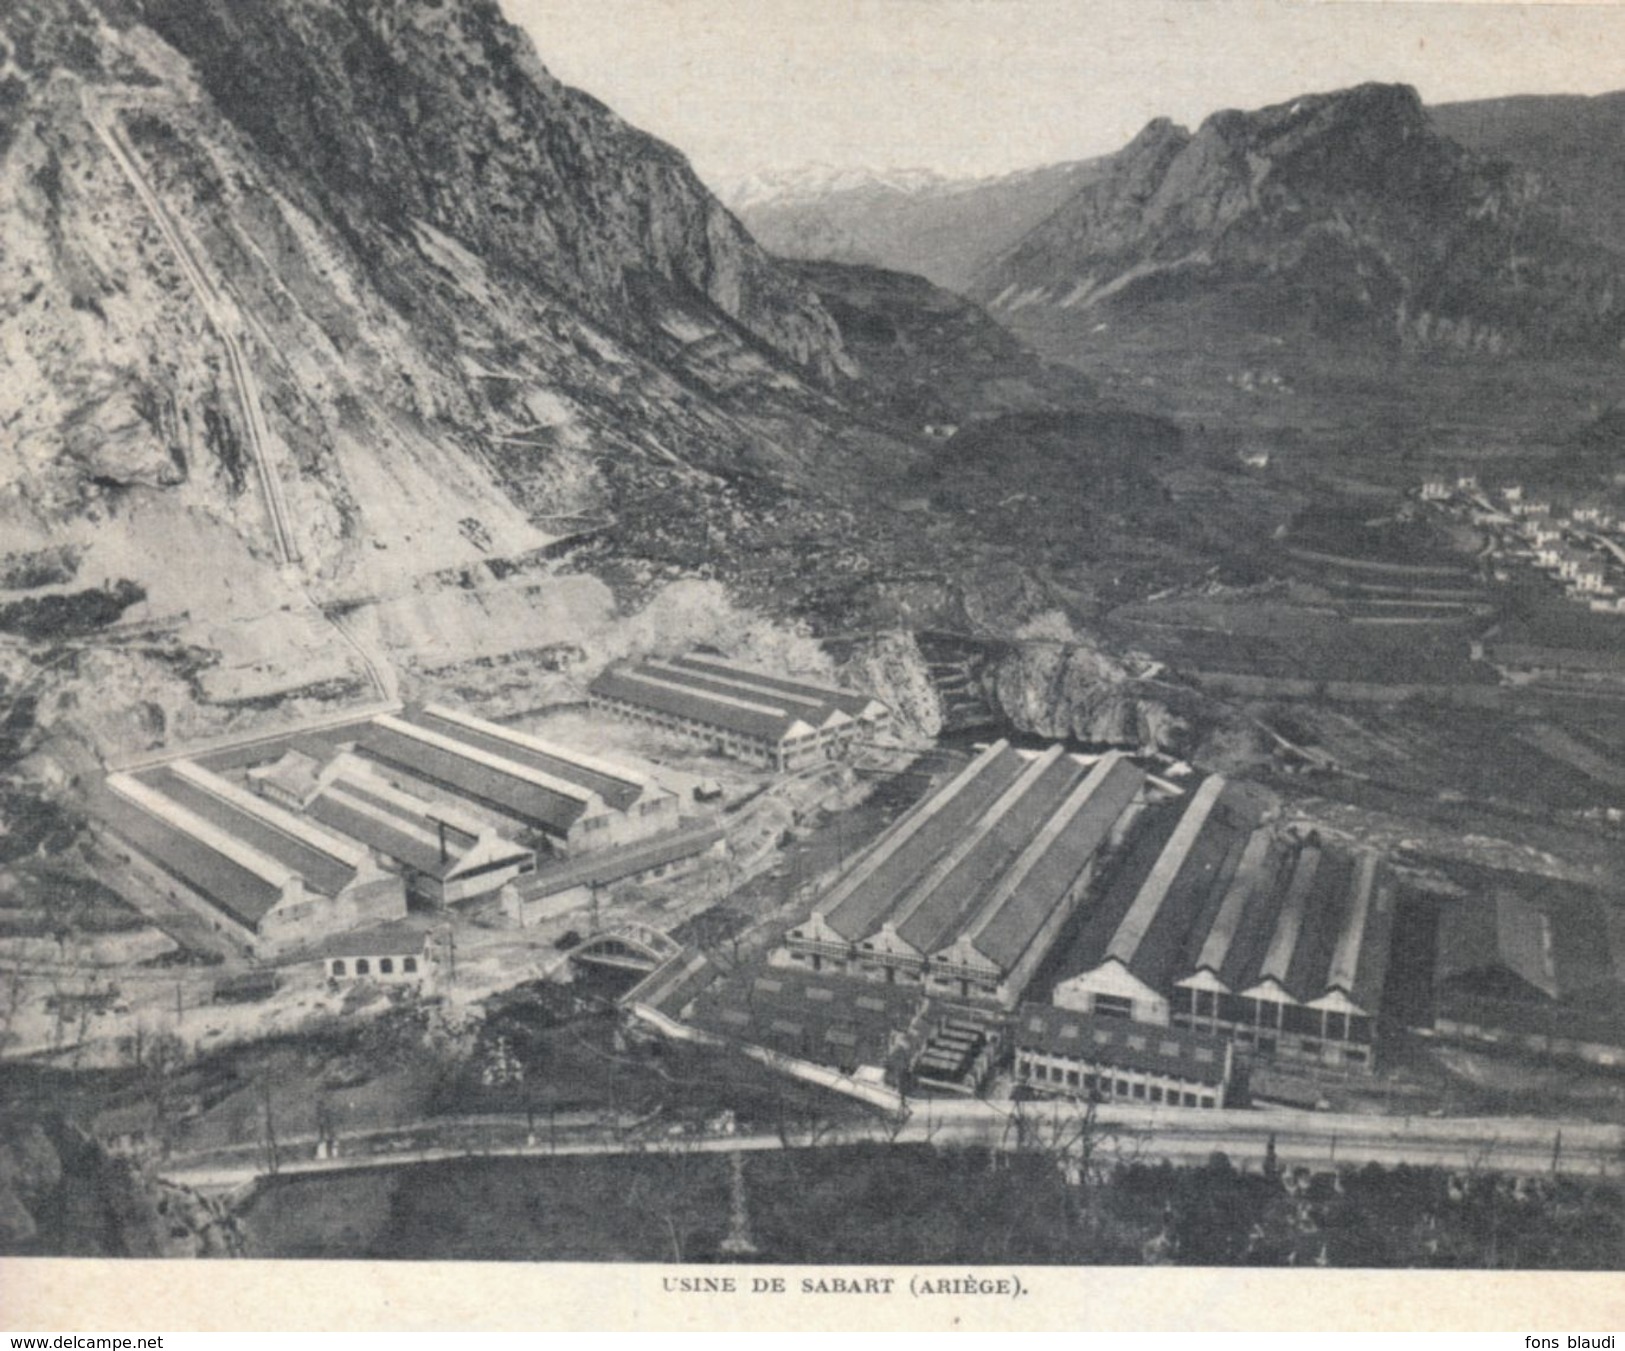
(981, 86)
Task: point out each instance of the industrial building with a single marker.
(897, 1033)
(274, 879)
(294, 779)
(1068, 1054)
(1233, 929)
(871, 716)
(966, 892)
(569, 884)
(577, 803)
(767, 720)
(1545, 975)
(446, 854)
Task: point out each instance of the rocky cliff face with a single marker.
(441, 114)
(63, 1195)
(1074, 690)
(1342, 212)
(326, 321)
(314, 308)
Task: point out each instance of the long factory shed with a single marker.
(578, 802)
(1235, 929)
(274, 879)
(966, 892)
(776, 721)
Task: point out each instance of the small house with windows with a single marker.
(1591, 577)
(394, 955)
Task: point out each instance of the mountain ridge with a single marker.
(357, 358)
(940, 227)
(1345, 211)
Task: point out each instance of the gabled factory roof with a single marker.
(851, 702)
(757, 716)
(617, 785)
(326, 863)
(243, 883)
(414, 832)
(863, 899)
(1018, 907)
(946, 897)
(612, 865)
(520, 790)
(1506, 933)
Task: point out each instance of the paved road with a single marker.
(1147, 1135)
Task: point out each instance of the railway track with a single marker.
(103, 119)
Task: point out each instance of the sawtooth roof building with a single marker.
(577, 802)
(274, 879)
(768, 720)
(965, 893)
(1225, 926)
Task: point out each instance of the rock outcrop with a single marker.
(1335, 212)
(63, 1195)
(1068, 690)
(442, 113)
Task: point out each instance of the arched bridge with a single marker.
(627, 947)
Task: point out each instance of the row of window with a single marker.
(363, 966)
(690, 727)
(795, 750)
(1268, 1043)
(1241, 1011)
(916, 968)
(1134, 1041)
(1111, 1086)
